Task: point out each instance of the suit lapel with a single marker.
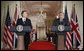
(22, 21)
(63, 23)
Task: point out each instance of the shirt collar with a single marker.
(61, 19)
(24, 19)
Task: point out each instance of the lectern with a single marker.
(20, 31)
(61, 34)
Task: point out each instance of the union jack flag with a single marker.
(16, 17)
(76, 39)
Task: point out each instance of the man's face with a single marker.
(25, 14)
(61, 15)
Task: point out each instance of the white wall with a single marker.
(79, 12)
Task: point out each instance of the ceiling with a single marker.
(50, 7)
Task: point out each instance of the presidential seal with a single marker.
(61, 27)
(19, 28)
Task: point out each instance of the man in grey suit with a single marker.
(60, 21)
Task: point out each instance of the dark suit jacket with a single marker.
(64, 22)
(27, 23)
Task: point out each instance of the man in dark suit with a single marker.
(25, 22)
(60, 21)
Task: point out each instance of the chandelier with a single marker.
(42, 15)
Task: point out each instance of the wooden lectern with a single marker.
(61, 34)
(20, 31)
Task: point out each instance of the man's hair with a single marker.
(61, 12)
(23, 12)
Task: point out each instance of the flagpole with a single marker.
(16, 4)
(74, 35)
(74, 5)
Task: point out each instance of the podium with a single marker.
(20, 31)
(61, 35)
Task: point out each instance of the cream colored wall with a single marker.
(79, 11)
(4, 7)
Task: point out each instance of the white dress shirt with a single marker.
(61, 20)
(23, 19)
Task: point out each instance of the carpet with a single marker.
(41, 45)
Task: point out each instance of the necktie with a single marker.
(61, 22)
(24, 22)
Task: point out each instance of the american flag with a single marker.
(76, 39)
(7, 34)
(68, 43)
(16, 16)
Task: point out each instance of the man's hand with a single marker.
(34, 31)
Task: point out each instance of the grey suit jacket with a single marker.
(64, 22)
